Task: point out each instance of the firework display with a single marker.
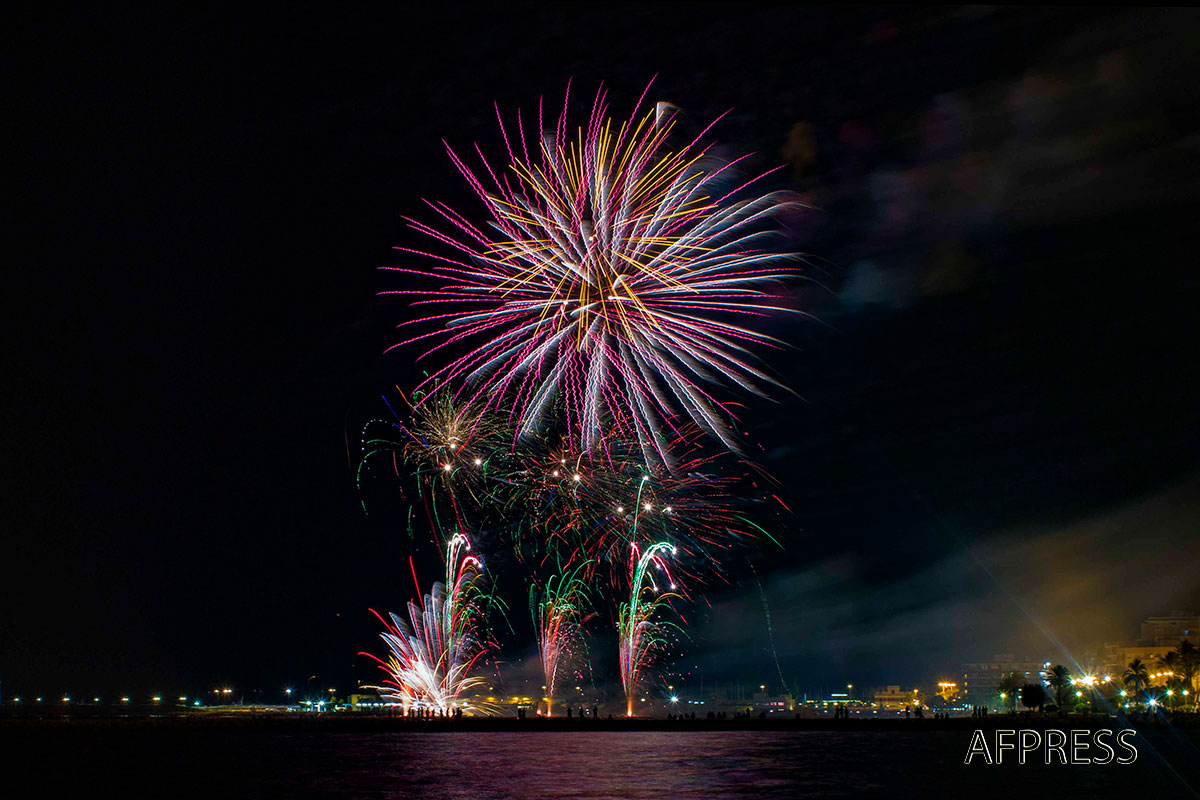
(431, 654)
(558, 616)
(609, 291)
(574, 424)
(561, 509)
(642, 635)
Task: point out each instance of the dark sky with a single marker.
(997, 436)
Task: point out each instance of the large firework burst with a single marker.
(609, 287)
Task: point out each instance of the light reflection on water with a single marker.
(632, 766)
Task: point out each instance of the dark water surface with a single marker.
(625, 765)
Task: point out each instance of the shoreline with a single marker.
(360, 723)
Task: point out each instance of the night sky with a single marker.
(995, 447)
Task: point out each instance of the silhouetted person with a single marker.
(568, 712)
(907, 712)
(595, 712)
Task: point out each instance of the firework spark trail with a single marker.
(558, 509)
(432, 654)
(642, 636)
(762, 593)
(558, 618)
(606, 284)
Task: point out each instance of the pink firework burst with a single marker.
(610, 290)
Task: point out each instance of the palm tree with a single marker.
(1170, 671)
(1168, 663)
(1009, 685)
(1189, 664)
(1059, 679)
(1137, 676)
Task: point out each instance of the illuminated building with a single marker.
(981, 680)
(1159, 636)
(894, 698)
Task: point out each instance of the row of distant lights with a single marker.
(575, 477)
(67, 699)
(1092, 681)
(154, 699)
(1153, 702)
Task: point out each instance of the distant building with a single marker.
(1159, 636)
(981, 680)
(773, 702)
(1172, 629)
(366, 701)
(895, 698)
